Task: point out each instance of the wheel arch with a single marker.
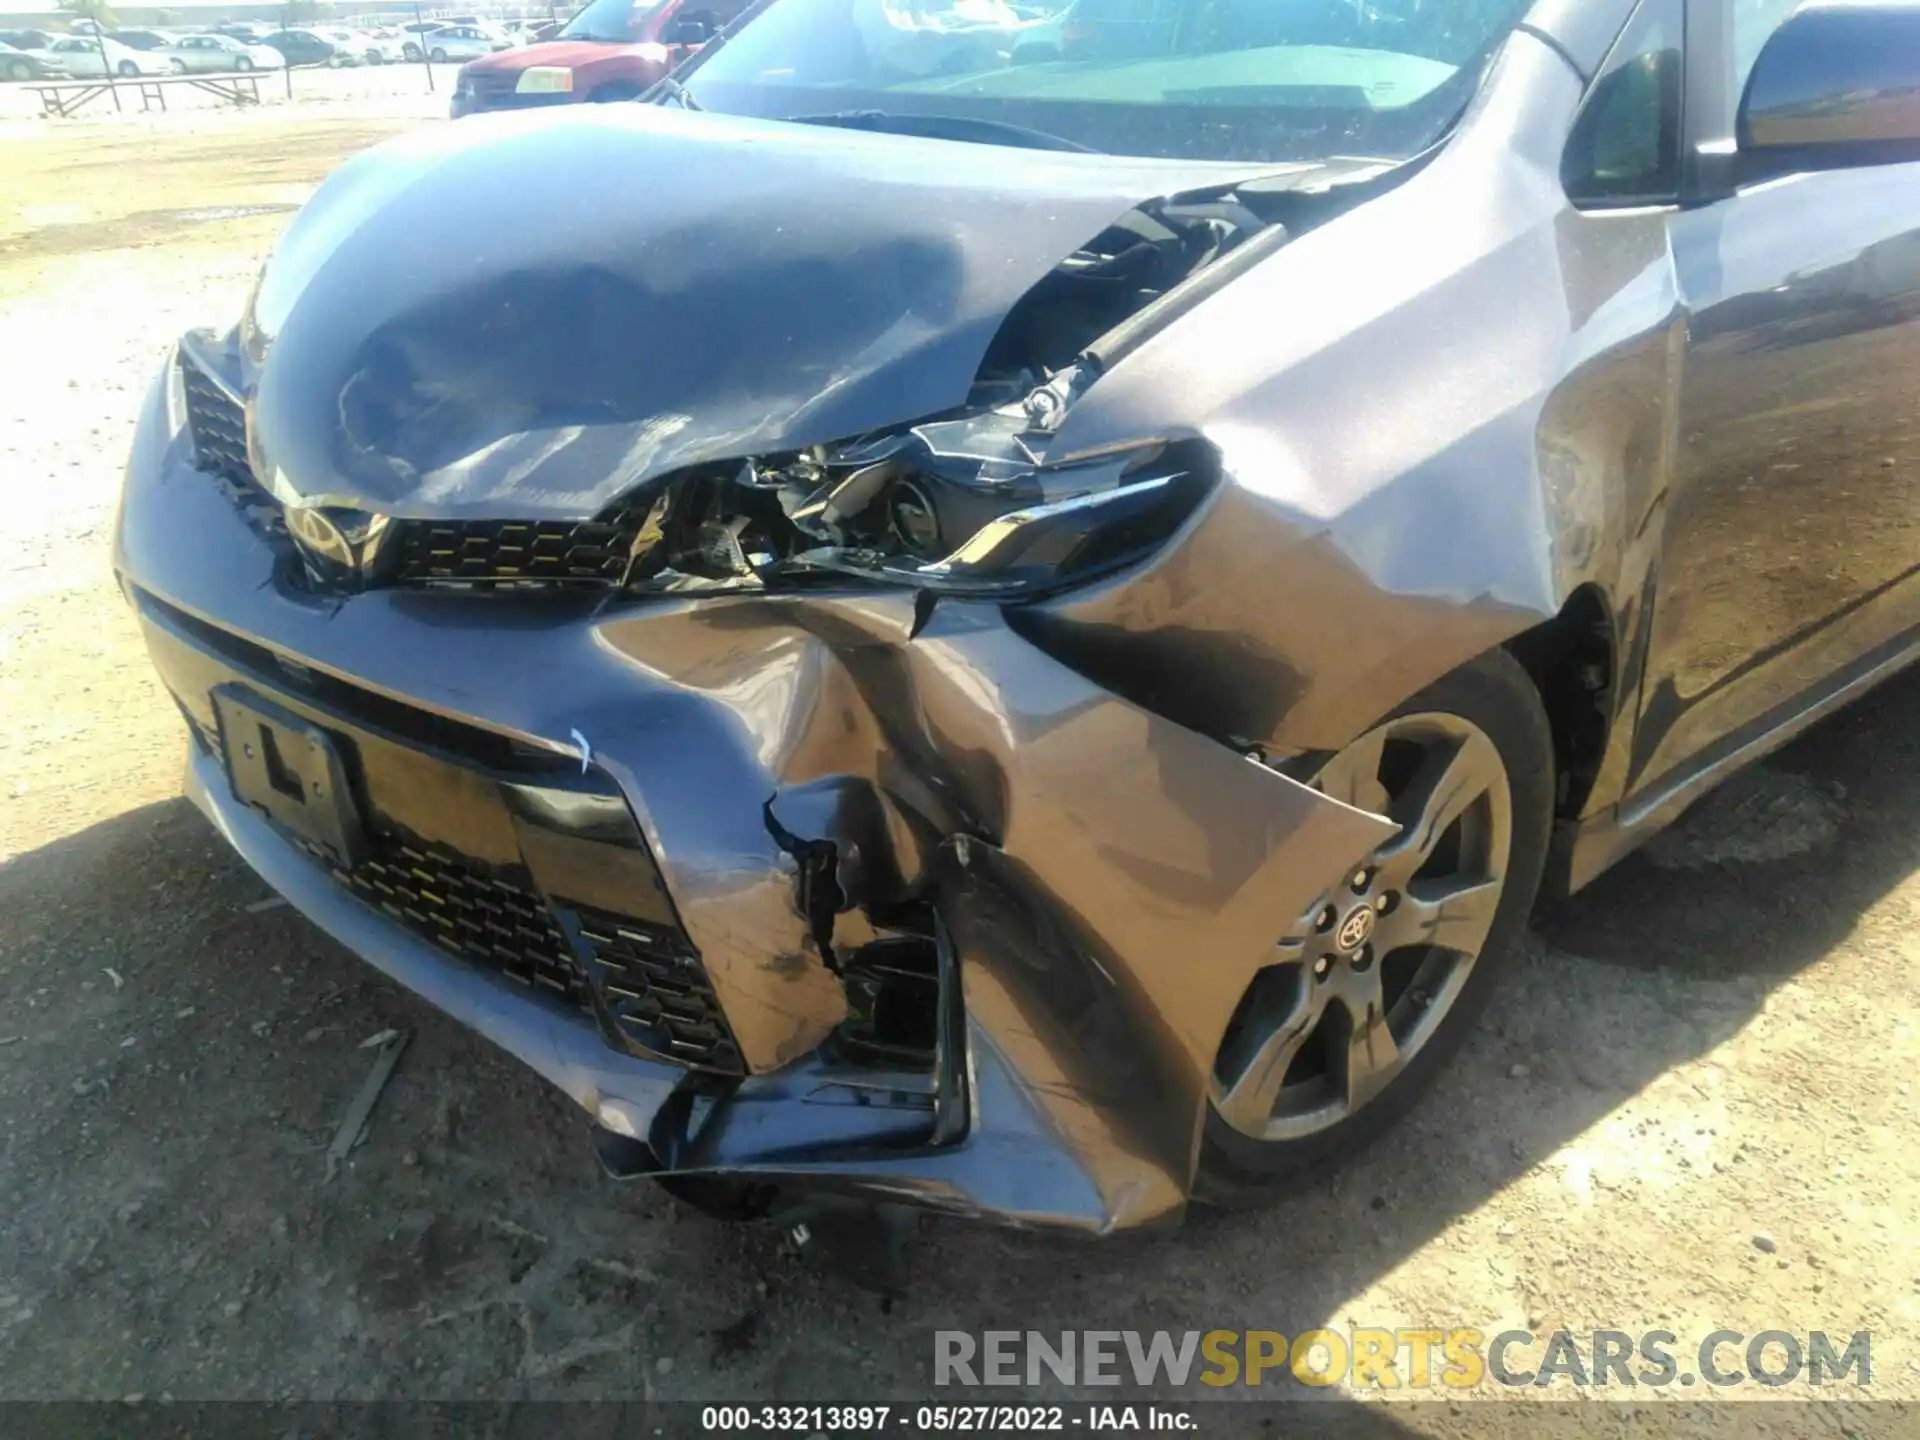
(1572, 660)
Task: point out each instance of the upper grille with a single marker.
(218, 427)
(501, 553)
(490, 83)
(466, 554)
(657, 992)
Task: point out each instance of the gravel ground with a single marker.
(1692, 1109)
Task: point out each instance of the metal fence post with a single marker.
(425, 54)
(106, 65)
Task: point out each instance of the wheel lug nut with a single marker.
(1327, 920)
(1361, 879)
(1363, 957)
(1321, 967)
(1386, 902)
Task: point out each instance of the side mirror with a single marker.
(1838, 84)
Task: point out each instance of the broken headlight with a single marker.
(967, 505)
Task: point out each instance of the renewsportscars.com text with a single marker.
(1455, 1359)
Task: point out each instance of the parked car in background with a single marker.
(94, 56)
(464, 42)
(148, 40)
(612, 50)
(310, 47)
(243, 29)
(32, 42)
(412, 37)
(29, 65)
(389, 44)
(194, 54)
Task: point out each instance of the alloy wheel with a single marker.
(1380, 958)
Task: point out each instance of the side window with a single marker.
(1625, 144)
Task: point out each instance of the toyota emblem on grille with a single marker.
(341, 547)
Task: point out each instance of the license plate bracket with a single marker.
(290, 771)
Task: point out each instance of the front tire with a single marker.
(439, 56)
(1345, 1031)
(243, 63)
(20, 70)
(128, 69)
(179, 67)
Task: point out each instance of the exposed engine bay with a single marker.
(968, 502)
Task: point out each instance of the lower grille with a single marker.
(479, 916)
(655, 989)
(648, 980)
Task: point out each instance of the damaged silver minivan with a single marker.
(1016, 627)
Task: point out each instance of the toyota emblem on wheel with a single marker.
(1356, 929)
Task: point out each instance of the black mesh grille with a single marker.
(502, 553)
(492, 84)
(218, 424)
(649, 979)
(474, 913)
(219, 429)
(657, 991)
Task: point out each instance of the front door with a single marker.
(1791, 555)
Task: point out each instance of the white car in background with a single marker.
(463, 42)
(18, 64)
(390, 43)
(90, 57)
(218, 54)
(360, 43)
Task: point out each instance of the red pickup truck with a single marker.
(612, 50)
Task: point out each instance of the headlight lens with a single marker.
(544, 80)
(177, 397)
(965, 506)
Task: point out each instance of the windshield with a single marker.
(618, 20)
(1183, 79)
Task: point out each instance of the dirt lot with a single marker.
(1694, 1108)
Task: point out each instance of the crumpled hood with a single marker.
(521, 316)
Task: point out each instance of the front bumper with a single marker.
(803, 770)
(478, 102)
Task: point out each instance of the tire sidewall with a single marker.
(1496, 694)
